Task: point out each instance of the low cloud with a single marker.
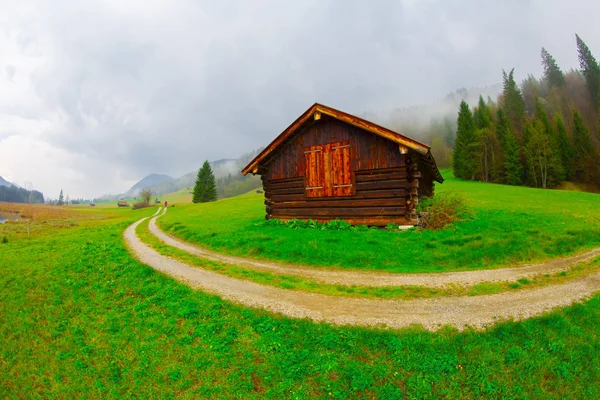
(97, 95)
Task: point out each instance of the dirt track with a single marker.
(378, 279)
(460, 312)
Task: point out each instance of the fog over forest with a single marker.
(95, 95)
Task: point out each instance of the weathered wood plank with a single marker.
(378, 185)
(284, 180)
(379, 170)
(296, 183)
(339, 212)
(381, 177)
(383, 193)
(293, 190)
(342, 202)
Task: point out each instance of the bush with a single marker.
(4, 239)
(140, 204)
(442, 210)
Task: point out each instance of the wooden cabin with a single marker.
(331, 165)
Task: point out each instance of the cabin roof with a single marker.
(309, 116)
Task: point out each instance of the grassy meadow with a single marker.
(511, 225)
(80, 318)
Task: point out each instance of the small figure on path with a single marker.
(165, 204)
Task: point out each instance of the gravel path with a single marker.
(378, 279)
(460, 312)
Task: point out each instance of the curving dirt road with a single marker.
(460, 312)
(378, 279)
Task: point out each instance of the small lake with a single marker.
(8, 216)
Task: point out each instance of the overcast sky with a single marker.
(94, 94)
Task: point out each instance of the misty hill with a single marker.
(14, 194)
(149, 181)
(230, 181)
(4, 182)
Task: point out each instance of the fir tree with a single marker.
(513, 102)
(61, 198)
(552, 73)
(481, 116)
(513, 170)
(583, 149)
(591, 71)
(565, 147)
(464, 160)
(542, 161)
(556, 172)
(205, 188)
(502, 127)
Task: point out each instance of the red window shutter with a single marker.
(327, 170)
(314, 172)
(341, 171)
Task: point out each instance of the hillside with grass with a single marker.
(509, 226)
(93, 321)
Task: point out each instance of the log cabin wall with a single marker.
(384, 183)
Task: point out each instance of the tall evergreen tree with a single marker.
(513, 102)
(205, 188)
(463, 162)
(543, 163)
(552, 72)
(61, 198)
(556, 171)
(502, 127)
(513, 170)
(481, 116)
(565, 147)
(591, 71)
(583, 161)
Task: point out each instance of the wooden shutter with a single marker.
(314, 178)
(327, 170)
(341, 176)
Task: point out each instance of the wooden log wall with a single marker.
(382, 196)
(368, 150)
(387, 183)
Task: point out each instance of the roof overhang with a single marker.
(315, 112)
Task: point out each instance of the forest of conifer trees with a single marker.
(539, 134)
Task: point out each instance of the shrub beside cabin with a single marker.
(331, 165)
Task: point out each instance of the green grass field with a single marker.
(80, 318)
(512, 225)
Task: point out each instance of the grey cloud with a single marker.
(145, 89)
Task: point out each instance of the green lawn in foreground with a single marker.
(512, 225)
(79, 318)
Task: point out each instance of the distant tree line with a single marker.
(13, 194)
(538, 134)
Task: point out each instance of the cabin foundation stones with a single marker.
(331, 165)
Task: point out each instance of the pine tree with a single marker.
(513, 170)
(205, 188)
(552, 73)
(583, 148)
(543, 163)
(481, 116)
(513, 102)
(463, 162)
(61, 198)
(556, 172)
(591, 71)
(502, 127)
(565, 147)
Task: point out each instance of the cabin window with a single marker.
(327, 170)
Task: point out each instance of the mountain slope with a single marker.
(4, 182)
(148, 182)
